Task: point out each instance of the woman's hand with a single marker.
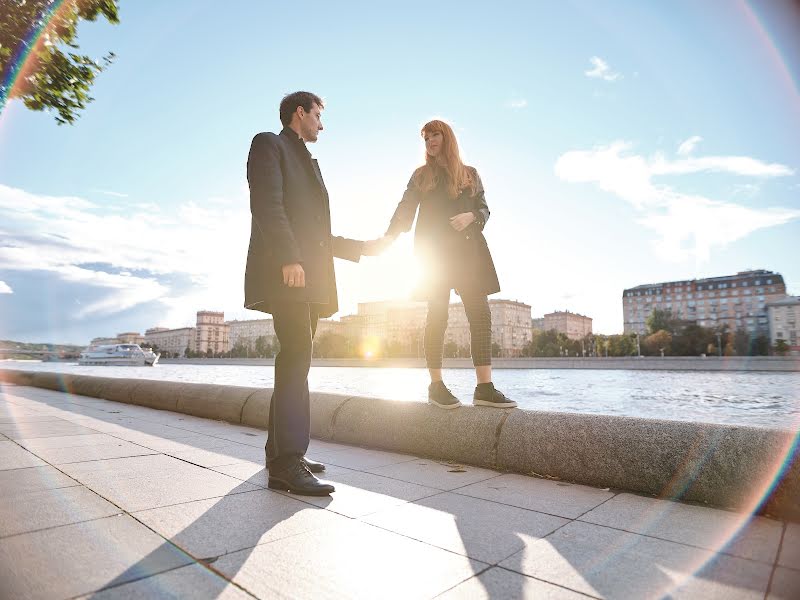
(462, 221)
(376, 247)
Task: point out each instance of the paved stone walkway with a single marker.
(106, 500)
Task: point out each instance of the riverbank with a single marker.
(749, 469)
(644, 363)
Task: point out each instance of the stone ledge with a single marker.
(721, 465)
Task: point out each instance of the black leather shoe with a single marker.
(314, 466)
(297, 479)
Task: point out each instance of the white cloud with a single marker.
(517, 103)
(601, 70)
(686, 225)
(111, 193)
(5, 288)
(689, 145)
(68, 236)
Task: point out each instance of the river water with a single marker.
(744, 398)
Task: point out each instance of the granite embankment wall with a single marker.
(666, 363)
(720, 465)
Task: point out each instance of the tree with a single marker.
(38, 62)
(781, 347)
(661, 319)
(262, 346)
(658, 343)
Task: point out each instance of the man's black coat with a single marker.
(291, 223)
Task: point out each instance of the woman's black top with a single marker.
(451, 259)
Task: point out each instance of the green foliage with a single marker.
(658, 343)
(56, 77)
(781, 347)
(661, 320)
(330, 345)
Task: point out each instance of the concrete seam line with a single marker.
(335, 416)
(496, 446)
(246, 400)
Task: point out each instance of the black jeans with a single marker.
(480, 328)
(289, 410)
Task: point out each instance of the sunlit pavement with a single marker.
(100, 499)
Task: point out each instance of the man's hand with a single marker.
(378, 246)
(462, 221)
(293, 275)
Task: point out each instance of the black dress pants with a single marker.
(289, 411)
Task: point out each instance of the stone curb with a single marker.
(736, 467)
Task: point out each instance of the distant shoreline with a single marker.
(647, 363)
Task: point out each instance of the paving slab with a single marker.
(604, 562)
(193, 441)
(555, 498)
(362, 458)
(50, 569)
(352, 560)
(68, 441)
(436, 474)
(790, 549)
(75, 454)
(192, 581)
(32, 479)
(42, 509)
(210, 528)
(756, 538)
(129, 467)
(498, 583)
(221, 455)
(26, 417)
(12, 456)
(476, 528)
(785, 584)
(42, 429)
(139, 493)
(358, 494)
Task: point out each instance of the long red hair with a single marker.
(459, 177)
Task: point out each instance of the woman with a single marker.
(449, 240)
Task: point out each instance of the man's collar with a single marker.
(296, 139)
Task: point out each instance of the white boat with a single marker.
(127, 355)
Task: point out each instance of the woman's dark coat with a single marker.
(451, 259)
(291, 223)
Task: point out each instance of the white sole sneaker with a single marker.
(507, 404)
(445, 406)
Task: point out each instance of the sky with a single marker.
(620, 143)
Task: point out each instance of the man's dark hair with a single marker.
(291, 101)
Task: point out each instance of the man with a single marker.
(290, 274)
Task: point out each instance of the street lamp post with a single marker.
(719, 344)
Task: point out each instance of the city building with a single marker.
(511, 326)
(784, 318)
(172, 341)
(103, 341)
(211, 332)
(245, 333)
(573, 325)
(537, 324)
(131, 337)
(400, 326)
(739, 301)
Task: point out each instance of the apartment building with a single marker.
(784, 319)
(573, 325)
(739, 301)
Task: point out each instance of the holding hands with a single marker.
(377, 246)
